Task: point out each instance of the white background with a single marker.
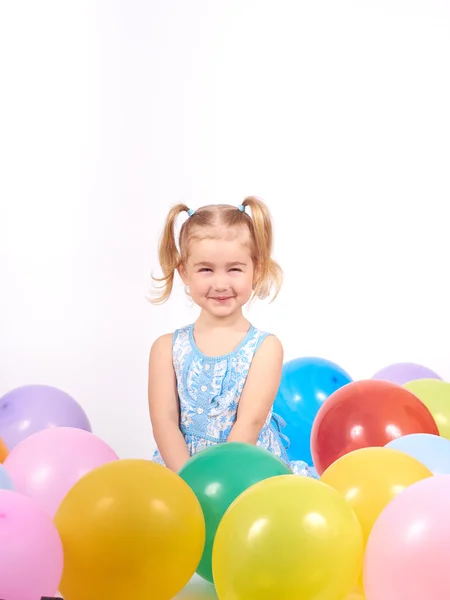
(335, 112)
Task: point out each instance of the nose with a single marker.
(220, 283)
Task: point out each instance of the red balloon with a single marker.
(365, 413)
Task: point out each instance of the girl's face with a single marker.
(219, 271)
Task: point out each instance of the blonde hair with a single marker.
(268, 274)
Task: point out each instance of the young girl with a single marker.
(216, 380)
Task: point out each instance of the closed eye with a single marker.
(204, 270)
(236, 269)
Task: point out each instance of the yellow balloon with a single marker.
(370, 478)
(435, 394)
(130, 529)
(356, 595)
(287, 537)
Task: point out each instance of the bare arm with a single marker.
(259, 392)
(163, 405)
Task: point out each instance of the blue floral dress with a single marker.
(209, 389)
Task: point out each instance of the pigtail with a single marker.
(169, 256)
(269, 275)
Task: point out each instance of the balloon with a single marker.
(31, 554)
(366, 413)
(435, 395)
(130, 529)
(432, 450)
(407, 553)
(32, 408)
(356, 595)
(370, 478)
(287, 537)
(215, 480)
(6, 483)
(3, 451)
(305, 385)
(197, 589)
(47, 464)
(401, 373)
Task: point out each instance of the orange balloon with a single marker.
(130, 529)
(369, 478)
(3, 451)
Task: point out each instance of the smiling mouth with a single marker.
(221, 298)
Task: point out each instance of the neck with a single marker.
(235, 320)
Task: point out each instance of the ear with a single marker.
(183, 274)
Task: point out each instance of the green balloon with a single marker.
(217, 476)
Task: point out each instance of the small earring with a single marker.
(187, 290)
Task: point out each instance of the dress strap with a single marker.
(182, 332)
(279, 423)
(260, 337)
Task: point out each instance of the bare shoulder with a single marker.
(271, 348)
(162, 346)
(163, 341)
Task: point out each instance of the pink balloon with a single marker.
(407, 555)
(46, 465)
(31, 552)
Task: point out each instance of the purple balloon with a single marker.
(401, 373)
(32, 408)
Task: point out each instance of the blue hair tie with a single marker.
(190, 212)
(241, 207)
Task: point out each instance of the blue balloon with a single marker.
(305, 385)
(431, 450)
(6, 482)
